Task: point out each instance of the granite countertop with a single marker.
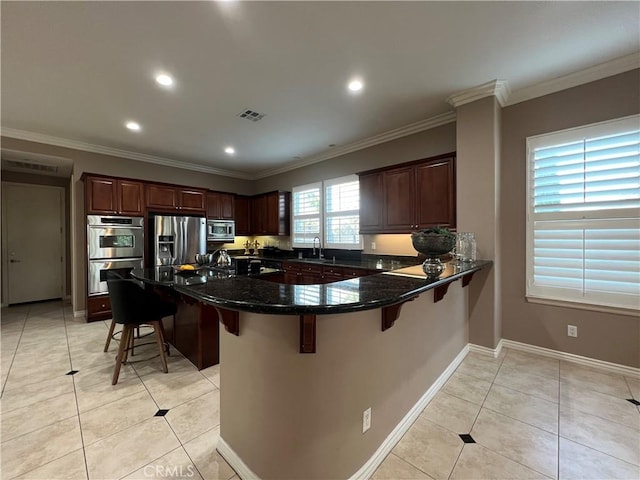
(257, 294)
(369, 262)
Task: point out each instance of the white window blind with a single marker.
(328, 210)
(306, 214)
(583, 226)
(342, 212)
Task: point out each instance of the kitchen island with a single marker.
(301, 363)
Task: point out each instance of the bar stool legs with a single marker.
(110, 336)
(125, 345)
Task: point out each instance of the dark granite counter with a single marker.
(264, 293)
(368, 262)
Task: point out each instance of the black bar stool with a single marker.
(132, 306)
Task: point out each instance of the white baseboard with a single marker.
(370, 466)
(494, 352)
(232, 458)
(570, 357)
(79, 313)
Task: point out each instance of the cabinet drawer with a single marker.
(355, 272)
(310, 268)
(99, 304)
(335, 271)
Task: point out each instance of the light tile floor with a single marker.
(529, 416)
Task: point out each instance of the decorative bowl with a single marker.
(433, 244)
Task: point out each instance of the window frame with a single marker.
(323, 185)
(588, 219)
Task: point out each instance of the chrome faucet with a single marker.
(319, 247)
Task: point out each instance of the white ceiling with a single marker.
(79, 70)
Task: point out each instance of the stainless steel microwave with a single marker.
(221, 230)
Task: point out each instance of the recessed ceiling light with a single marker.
(135, 126)
(230, 150)
(164, 80)
(355, 85)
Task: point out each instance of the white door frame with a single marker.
(63, 238)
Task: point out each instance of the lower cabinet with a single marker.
(195, 332)
(98, 308)
(301, 273)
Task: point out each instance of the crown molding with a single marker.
(410, 129)
(117, 152)
(597, 72)
(497, 88)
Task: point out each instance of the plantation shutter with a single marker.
(583, 227)
(342, 212)
(306, 216)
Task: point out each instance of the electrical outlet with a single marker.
(373, 245)
(572, 330)
(366, 420)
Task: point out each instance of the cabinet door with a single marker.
(371, 203)
(191, 199)
(130, 197)
(436, 194)
(258, 215)
(227, 206)
(161, 196)
(272, 206)
(242, 213)
(101, 195)
(220, 206)
(399, 196)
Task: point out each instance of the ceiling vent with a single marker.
(40, 167)
(251, 115)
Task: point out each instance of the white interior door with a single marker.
(33, 235)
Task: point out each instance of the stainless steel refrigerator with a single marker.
(176, 240)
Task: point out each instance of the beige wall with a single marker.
(413, 147)
(315, 430)
(478, 197)
(608, 337)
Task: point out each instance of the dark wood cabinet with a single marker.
(371, 203)
(302, 273)
(242, 214)
(410, 196)
(436, 204)
(270, 214)
(168, 197)
(98, 308)
(399, 189)
(220, 206)
(113, 196)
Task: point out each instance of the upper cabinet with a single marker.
(410, 196)
(371, 203)
(270, 214)
(220, 206)
(113, 196)
(242, 214)
(168, 197)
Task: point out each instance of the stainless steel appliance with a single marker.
(115, 237)
(114, 243)
(177, 240)
(98, 272)
(221, 230)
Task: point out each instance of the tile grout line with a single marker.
(476, 417)
(75, 394)
(15, 351)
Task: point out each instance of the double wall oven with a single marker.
(114, 244)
